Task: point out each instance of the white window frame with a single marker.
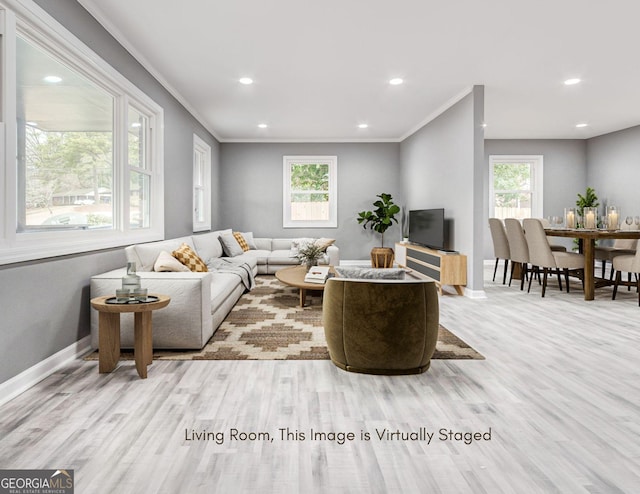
(201, 183)
(536, 162)
(332, 222)
(33, 23)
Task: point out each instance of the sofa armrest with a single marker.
(185, 323)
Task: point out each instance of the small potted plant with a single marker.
(309, 254)
(379, 220)
(588, 200)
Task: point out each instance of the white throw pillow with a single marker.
(299, 243)
(166, 262)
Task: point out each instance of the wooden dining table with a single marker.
(587, 241)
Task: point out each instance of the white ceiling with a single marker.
(322, 68)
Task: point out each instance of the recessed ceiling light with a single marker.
(136, 124)
(484, 125)
(363, 126)
(580, 125)
(246, 81)
(571, 82)
(262, 126)
(396, 81)
(32, 124)
(53, 79)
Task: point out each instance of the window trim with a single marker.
(537, 189)
(200, 146)
(332, 222)
(32, 22)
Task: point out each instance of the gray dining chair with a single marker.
(620, 247)
(541, 256)
(628, 264)
(500, 246)
(554, 247)
(518, 248)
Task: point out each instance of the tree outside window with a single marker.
(516, 187)
(310, 191)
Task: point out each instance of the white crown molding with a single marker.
(98, 14)
(439, 111)
(33, 375)
(93, 8)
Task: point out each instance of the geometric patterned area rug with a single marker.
(267, 323)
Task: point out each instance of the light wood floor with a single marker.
(560, 390)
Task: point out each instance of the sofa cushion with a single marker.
(282, 257)
(222, 284)
(208, 245)
(370, 273)
(166, 262)
(187, 256)
(261, 256)
(145, 255)
(230, 245)
(265, 244)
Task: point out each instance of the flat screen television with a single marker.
(426, 227)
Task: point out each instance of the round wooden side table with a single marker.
(109, 331)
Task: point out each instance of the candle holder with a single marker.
(613, 217)
(570, 218)
(590, 218)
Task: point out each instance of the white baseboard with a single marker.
(33, 375)
(474, 293)
(361, 262)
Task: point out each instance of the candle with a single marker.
(571, 219)
(590, 220)
(613, 220)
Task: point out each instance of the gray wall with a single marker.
(613, 169)
(442, 166)
(45, 304)
(251, 199)
(564, 171)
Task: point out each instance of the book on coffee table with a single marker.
(317, 274)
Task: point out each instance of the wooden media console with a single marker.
(442, 267)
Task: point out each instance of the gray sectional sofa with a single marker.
(199, 301)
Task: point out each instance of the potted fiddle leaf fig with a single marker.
(379, 220)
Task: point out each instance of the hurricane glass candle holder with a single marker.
(613, 217)
(590, 218)
(570, 218)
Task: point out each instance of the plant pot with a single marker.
(309, 264)
(382, 257)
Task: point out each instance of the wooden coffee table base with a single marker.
(294, 276)
(109, 333)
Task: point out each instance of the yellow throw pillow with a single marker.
(189, 258)
(243, 243)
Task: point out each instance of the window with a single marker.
(515, 187)
(201, 185)
(310, 192)
(82, 154)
